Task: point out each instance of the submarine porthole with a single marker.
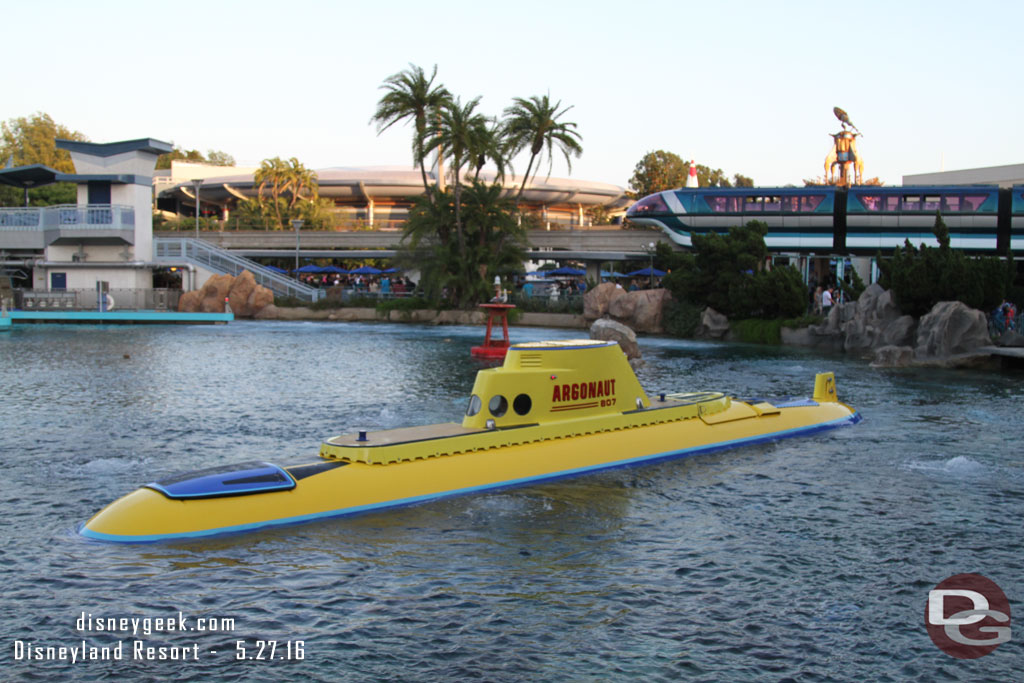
(522, 404)
(498, 405)
(474, 405)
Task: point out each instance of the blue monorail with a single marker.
(862, 219)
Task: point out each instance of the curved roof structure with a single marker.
(355, 185)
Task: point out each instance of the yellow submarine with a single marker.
(554, 409)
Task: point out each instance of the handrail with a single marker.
(68, 217)
(223, 261)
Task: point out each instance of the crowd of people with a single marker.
(1005, 318)
(385, 284)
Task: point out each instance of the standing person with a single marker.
(826, 301)
(817, 300)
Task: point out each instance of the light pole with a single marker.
(297, 223)
(197, 183)
(650, 249)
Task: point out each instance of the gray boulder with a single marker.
(1011, 339)
(610, 330)
(949, 329)
(893, 357)
(713, 325)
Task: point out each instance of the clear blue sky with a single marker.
(743, 86)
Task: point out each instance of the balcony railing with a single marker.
(69, 217)
(89, 300)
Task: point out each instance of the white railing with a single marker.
(219, 260)
(69, 217)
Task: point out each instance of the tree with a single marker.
(214, 157)
(495, 245)
(457, 131)
(658, 171)
(534, 124)
(920, 278)
(284, 184)
(28, 140)
(411, 96)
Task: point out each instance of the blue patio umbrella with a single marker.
(613, 273)
(333, 269)
(365, 270)
(647, 272)
(309, 268)
(389, 270)
(276, 269)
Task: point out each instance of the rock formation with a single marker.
(713, 325)
(610, 330)
(951, 328)
(640, 310)
(246, 297)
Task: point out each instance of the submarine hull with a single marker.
(325, 489)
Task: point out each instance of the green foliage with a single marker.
(28, 140)
(853, 289)
(803, 321)
(658, 171)
(757, 331)
(286, 190)
(534, 124)
(726, 273)
(405, 305)
(213, 157)
(411, 96)
(493, 243)
(920, 278)
(680, 318)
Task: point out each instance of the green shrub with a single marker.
(680, 318)
(756, 331)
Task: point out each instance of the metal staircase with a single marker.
(197, 252)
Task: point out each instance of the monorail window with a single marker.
(871, 202)
(716, 204)
(791, 204)
(892, 204)
(773, 204)
(720, 204)
(973, 202)
(751, 204)
(931, 202)
(811, 202)
(911, 202)
(951, 203)
(653, 204)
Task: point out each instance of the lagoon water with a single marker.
(808, 559)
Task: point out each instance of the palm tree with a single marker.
(488, 145)
(411, 95)
(534, 124)
(279, 178)
(457, 131)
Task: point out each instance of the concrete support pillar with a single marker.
(369, 210)
(594, 271)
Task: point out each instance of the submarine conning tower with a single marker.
(554, 381)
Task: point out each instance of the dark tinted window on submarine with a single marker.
(522, 404)
(498, 405)
(474, 405)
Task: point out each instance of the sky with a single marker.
(747, 87)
